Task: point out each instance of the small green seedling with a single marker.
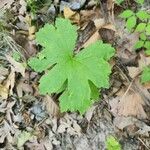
(80, 75)
(145, 77)
(139, 22)
(112, 144)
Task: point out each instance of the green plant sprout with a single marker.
(112, 143)
(145, 77)
(139, 22)
(79, 74)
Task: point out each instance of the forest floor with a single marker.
(31, 121)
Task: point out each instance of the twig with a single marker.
(143, 143)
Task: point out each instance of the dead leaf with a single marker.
(51, 107)
(18, 67)
(68, 13)
(23, 87)
(144, 61)
(6, 131)
(23, 7)
(87, 15)
(89, 113)
(5, 4)
(3, 73)
(124, 122)
(133, 71)
(72, 15)
(107, 33)
(10, 82)
(7, 87)
(69, 125)
(92, 39)
(129, 105)
(99, 23)
(3, 92)
(35, 145)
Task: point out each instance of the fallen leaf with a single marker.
(133, 71)
(23, 7)
(87, 15)
(10, 82)
(144, 61)
(124, 122)
(18, 67)
(68, 13)
(6, 131)
(3, 92)
(3, 73)
(22, 86)
(92, 39)
(7, 87)
(69, 125)
(5, 4)
(72, 15)
(23, 137)
(35, 145)
(131, 104)
(107, 33)
(51, 107)
(89, 113)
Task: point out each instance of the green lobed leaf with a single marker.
(140, 27)
(145, 77)
(82, 73)
(131, 22)
(126, 14)
(142, 15)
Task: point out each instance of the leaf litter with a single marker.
(29, 120)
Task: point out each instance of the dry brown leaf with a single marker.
(23, 7)
(110, 27)
(8, 85)
(18, 67)
(23, 87)
(125, 122)
(5, 4)
(130, 104)
(68, 13)
(3, 73)
(133, 71)
(72, 15)
(144, 61)
(69, 125)
(3, 92)
(89, 113)
(99, 23)
(87, 15)
(92, 39)
(51, 107)
(10, 82)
